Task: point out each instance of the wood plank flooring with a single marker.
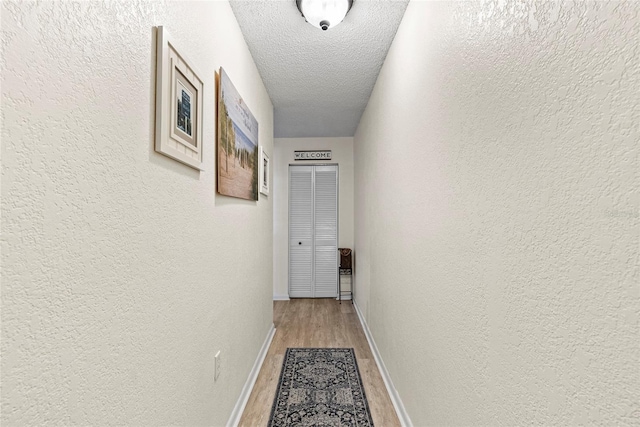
(317, 323)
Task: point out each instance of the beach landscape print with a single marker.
(237, 144)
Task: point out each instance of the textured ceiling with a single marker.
(319, 81)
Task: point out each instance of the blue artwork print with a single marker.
(184, 111)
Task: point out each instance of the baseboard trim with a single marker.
(403, 416)
(281, 297)
(236, 414)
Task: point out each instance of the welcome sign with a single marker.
(312, 155)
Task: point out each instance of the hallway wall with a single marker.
(497, 213)
(342, 154)
(122, 270)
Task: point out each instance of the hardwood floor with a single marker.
(317, 323)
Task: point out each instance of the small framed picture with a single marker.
(265, 170)
(179, 93)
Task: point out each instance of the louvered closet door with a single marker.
(300, 231)
(326, 231)
(313, 231)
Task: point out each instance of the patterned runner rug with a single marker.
(320, 387)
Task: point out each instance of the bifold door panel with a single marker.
(300, 231)
(313, 231)
(326, 231)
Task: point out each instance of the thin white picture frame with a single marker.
(265, 171)
(179, 101)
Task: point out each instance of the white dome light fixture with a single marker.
(324, 14)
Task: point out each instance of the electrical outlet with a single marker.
(216, 359)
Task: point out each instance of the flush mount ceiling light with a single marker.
(324, 14)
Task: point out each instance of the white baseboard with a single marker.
(405, 421)
(234, 419)
(281, 297)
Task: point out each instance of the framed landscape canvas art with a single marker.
(237, 143)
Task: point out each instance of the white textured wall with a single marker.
(497, 213)
(122, 270)
(283, 156)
